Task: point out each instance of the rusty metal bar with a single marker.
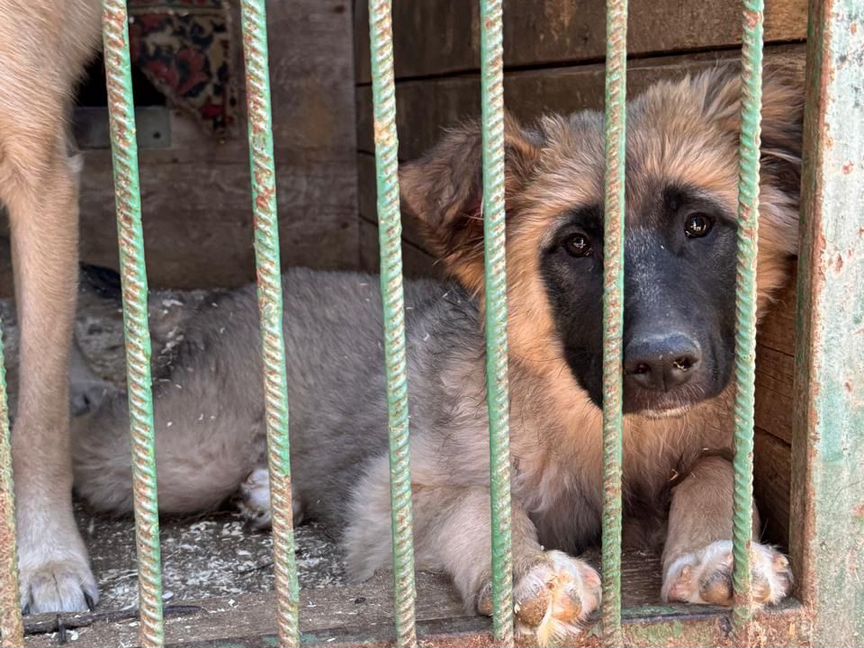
(787, 625)
(613, 314)
(828, 444)
(392, 295)
(127, 196)
(745, 306)
(11, 623)
(498, 399)
(270, 306)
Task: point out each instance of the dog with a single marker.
(44, 45)
(680, 260)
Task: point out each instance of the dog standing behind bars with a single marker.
(678, 353)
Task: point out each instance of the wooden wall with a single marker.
(196, 193)
(554, 53)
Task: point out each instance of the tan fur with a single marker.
(43, 46)
(688, 135)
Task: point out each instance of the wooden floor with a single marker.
(218, 584)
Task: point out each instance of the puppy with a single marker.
(678, 354)
(44, 45)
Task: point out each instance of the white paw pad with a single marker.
(706, 576)
(255, 499)
(555, 596)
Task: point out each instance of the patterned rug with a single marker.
(185, 48)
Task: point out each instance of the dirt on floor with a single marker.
(205, 556)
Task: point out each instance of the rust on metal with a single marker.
(827, 444)
(11, 623)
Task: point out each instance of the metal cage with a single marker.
(828, 448)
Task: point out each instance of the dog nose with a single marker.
(661, 362)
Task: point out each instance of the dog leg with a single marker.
(697, 559)
(553, 592)
(40, 190)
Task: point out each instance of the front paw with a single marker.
(706, 576)
(56, 579)
(552, 598)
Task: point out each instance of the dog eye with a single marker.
(697, 225)
(578, 245)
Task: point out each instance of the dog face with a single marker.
(681, 233)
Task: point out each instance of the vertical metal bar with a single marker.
(745, 333)
(828, 446)
(11, 624)
(390, 241)
(498, 399)
(270, 306)
(124, 148)
(613, 313)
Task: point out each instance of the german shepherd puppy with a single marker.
(679, 346)
(44, 45)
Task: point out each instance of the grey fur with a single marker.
(210, 433)
(209, 404)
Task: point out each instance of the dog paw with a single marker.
(553, 598)
(57, 584)
(706, 576)
(255, 501)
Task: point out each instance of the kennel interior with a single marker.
(199, 232)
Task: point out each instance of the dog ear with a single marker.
(444, 189)
(782, 121)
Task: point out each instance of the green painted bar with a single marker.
(270, 306)
(613, 314)
(827, 443)
(392, 294)
(11, 623)
(498, 400)
(127, 195)
(745, 330)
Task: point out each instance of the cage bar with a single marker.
(745, 306)
(270, 307)
(133, 272)
(498, 398)
(392, 296)
(11, 623)
(613, 313)
(827, 444)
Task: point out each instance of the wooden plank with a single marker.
(777, 332)
(311, 72)
(771, 483)
(416, 262)
(363, 608)
(198, 223)
(775, 366)
(426, 107)
(438, 37)
(366, 203)
(774, 401)
(196, 194)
